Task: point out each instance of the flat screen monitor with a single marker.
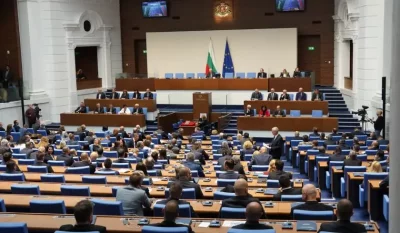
(154, 9)
(290, 5)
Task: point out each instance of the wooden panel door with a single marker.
(141, 58)
(309, 55)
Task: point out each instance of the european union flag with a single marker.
(228, 63)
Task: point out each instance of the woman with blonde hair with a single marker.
(62, 145)
(44, 141)
(375, 167)
(247, 150)
(271, 167)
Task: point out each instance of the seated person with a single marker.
(297, 73)
(375, 167)
(114, 94)
(284, 74)
(256, 95)
(315, 132)
(254, 211)
(305, 140)
(40, 160)
(261, 159)
(98, 109)
(301, 95)
(352, 160)
(342, 144)
(248, 111)
(261, 74)
(121, 156)
(263, 111)
(68, 160)
(171, 212)
(229, 172)
(285, 188)
(329, 141)
(185, 180)
(175, 193)
(124, 110)
(309, 193)
(316, 96)
(137, 95)
(284, 95)
(278, 112)
(380, 156)
(192, 165)
(85, 161)
(337, 156)
(81, 108)
(111, 109)
(344, 211)
(100, 94)
(384, 184)
(148, 95)
(275, 175)
(125, 95)
(137, 109)
(11, 167)
(107, 166)
(71, 140)
(374, 146)
(272, 95)
(83, 212)
(198, 132)
(238, 166)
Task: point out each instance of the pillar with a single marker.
(394, 185)
(73, 95)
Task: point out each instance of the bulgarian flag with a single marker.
(210, 60)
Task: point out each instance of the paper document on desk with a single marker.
(232, 223)
(156, 179)
(123, 170)
(204, 224)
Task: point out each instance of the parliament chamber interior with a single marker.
(264, 116)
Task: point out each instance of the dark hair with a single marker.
(356, 148)
(100, 151)
(315, 143)
(40, 156)
(162, 154)
(264, 108)
(305, 138)
(284, 181)
(108, 163)
(121, 153)
(48, 147)
(7, 157)
(322, 136)
(315, 130)
(334, 131)
(10, 165)
(230, 163)
(242, 176)
(154, 155)
(246, 135)
(338, 150)
(279, 165)
(321, 149)
(344, 209)
(175, 190)
(147, 143)
(380, 153)
(135, 180)
(141, 167)
(83, 211)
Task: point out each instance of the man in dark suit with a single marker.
(185, 180)
(334, 132)
(68, 160)
(98, 109)
(171, 212)
(384, 183)
(262, 159)
(81, 108)
(379, 123)
(309, 193)
(107, 167)
(249, 111)
(114, 94)
(40, 161)
(316, 96)
(352, 160)
(111, 109)
(254, 211)
(83, 212)
(175, 193)
(284, 95)
(276, 175)
(261, 74)
(256, 95)
(6, 77)
(28, 150)
(278, 112)
(229, 172)
(329, 141)
(343, 224)
(192, 165)
(297, 136)
(285, 188)
(137, 109)
(276, 145)
(301, 95)
(100, 94)
(148, 95)
(272, 95)
(85, 161)
(322, 152)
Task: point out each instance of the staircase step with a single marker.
(329, 98)
(348, 128)
(231, 125)
(338, 109)
(340, 114)
(348, 123)
(336, 101)
(333, 94)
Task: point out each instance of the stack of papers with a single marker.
(232, 223)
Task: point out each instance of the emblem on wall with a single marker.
(222, 10)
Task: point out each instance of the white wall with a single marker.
(174, 52)
(12, 111)
(50, 30)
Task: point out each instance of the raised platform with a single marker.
(88, 83)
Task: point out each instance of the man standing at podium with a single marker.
(261, 74)
(256, 95)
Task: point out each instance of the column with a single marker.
(73, 95)
(29, 18)
(394, 209)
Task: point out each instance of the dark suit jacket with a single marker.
(100, 95)
(329, 142)
(279, 113)
(301, 96)
(272, 96)
(287, 75)
(83, 228)
(114, 95)
(289, 191)
(137, 110)
(221, 161)
(249, 112)
(49, 169)
(148, 95)
(337, 157)
(313, 206)
(80, 109)
(277, 174)
(66, 158)
(229, 175)
(136, 96)
(180, 202)
(276, 147)
(239, 202)
(171, 224)
(252, 226)
(188, 184)
(350, 162)
(261, 159)
(124, 96)
(257, 96)
(284, 97)
(296, 74)
(101, 110)
(261, 75)
(194, 167)
(314, 96)
(113, 111)
(342, 226)
(384, 183)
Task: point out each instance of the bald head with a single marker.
(171, 210)
(309, 192)
(254, 212)
(263, 150)
(240, 187)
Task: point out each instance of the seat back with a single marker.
(225, 182)
(75, 190)
(317, 113)
(42, 132)
(251, 75)
(100, 134)
(371, 152)
(55, 163)
(102, 207)
(94, 179)
(184, 210)
(106, 173)
(292, 198)
(120, 165)
(348, 169)
(14, 227)
(260, 168)
(240, 75)
(19, 156)
(26, 161)
(272, 183)
(372, 176)
(190, 75)
(12, 177)
(78, 170)
(179, 75)
(229, 75)
(25, 189)
(169, 75)
(295, 142)
(2, 205)
(295, 113)
(37, 169)
(187, 193)
(16, 136)
(47, 206)
(222, 195)
(321, 158)
(52, 178)
(335, 164)
(201, 75)
(152, 229)
(237, 213)
(312, 215)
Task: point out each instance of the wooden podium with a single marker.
(202, 104)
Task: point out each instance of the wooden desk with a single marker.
(353, 187)
(114, 224)
(149, 104)
(336, 175)
(102, 119)
(305, 107)
(375, 198)
(290, 84)
(287, 123)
